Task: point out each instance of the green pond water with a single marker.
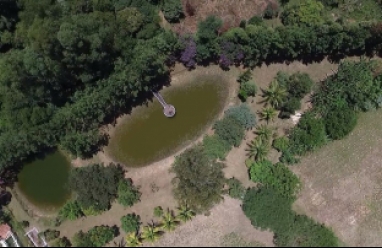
(148, 135)
(43, 181)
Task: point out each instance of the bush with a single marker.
(256, 20)
(248, 88)
(340, 122)
(277, 176)
(130, 223)
(299, 84)
(71, 211)
(236, 189)
(245, 76)
(62, 242)
(266, 209)
(199, 181)
(172, 10)
(281, 144)
(97, 236)
(289, 107)
(309, 12)
(230, 130)
(288, 158)
(271, 11)
(308, 135)
(215, 147)
(305, 232)
(242, 114)
(51, 234)
(128, 195)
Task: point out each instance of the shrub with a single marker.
(242, 114)
(230, 130)
(340, 122)
(199, 181)
(256, 20)
(305, 232)
(289, 107)
(51, 234)
(91, 211)
(25, 224)
(128, 195)
(288, 158)
(71, 211)
(130, 223)
(62, 242)
(243, 95)
(277, 176)
(97, 236)
(271, 11)
(281, 144)
(308, 13)
(245, 76)
(236, 189)
(215, 147)
(308, 135)
(248, 88)
(158, 211)
(267, 209)
(299, 84)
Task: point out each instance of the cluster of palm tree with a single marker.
(259, 147)
(274, 96)
(152, 232)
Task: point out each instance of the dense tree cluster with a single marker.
(67, 66)
(97, 236)
(268, 210)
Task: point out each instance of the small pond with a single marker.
(43, 181)
(147, 135)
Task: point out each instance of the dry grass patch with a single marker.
(343, 183)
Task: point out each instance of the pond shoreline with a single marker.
(177, 80)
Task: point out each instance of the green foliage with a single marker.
(150, 233)
(91, 211)
(51, 234)
(268, 114)
(308, 13)
(275, 94)
(245, 76)
(96, 185)
(281, 144)
(230, 130)
(236, 188)
(130, 223)
(305, 232)
(299, 84)
(207, 33)
(289, 107)
(215, 147)
(62, 242)
(128, 194)
(172, 10)
(264, 132)
(169, 221)
(242, 114)
(256, 21)
(132, 240)
(158, 211)
(97, 236)
(266, 209)
(247, 88)
(277, 176)
(258, 149)
(199, 181)
(185, 213)
(71, 211)
(308, 135)
(339, 122)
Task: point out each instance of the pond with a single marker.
(43, 181)
(148, 135)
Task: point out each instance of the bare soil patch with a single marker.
(231, 12)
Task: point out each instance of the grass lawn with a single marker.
(343, 183)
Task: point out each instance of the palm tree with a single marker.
(268, 114)
(275, 94)
(169, 222)
(185, 214)
(150, 233)
(258, 149)
(264, 132)
(132, 240)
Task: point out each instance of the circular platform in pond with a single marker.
(169, 111)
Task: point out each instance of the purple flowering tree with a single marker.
(187, 56)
